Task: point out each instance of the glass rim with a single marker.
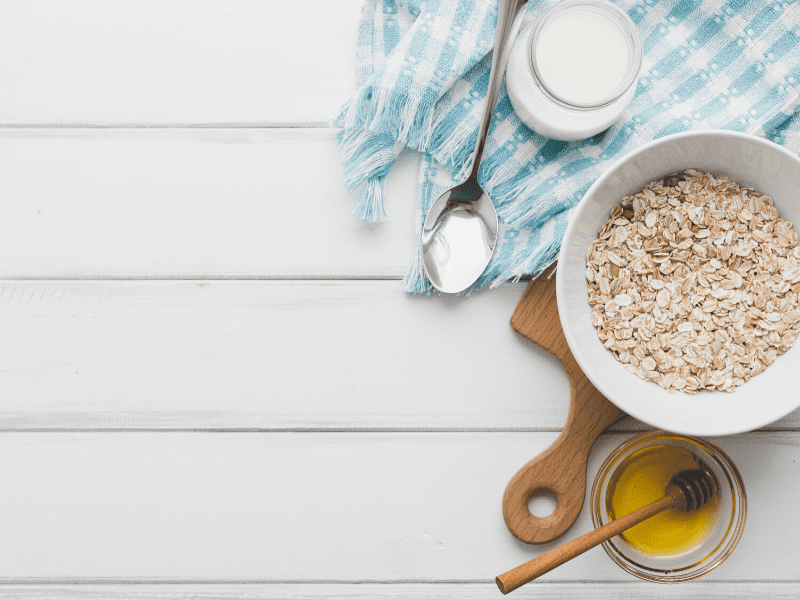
(725, 547)
(631, 76)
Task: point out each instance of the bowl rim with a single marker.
(569, 334)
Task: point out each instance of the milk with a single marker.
(572, 73)
(582, 57)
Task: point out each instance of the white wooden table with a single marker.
(213, 386)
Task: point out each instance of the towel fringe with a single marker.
(537, 261)
(416, 282)
(452, 143)
(365, 154)
(407, 117)
(367, 157)
(504, 183)
(522, 262)
(524, 205)
(370, 207)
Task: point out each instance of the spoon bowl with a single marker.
(458, 237)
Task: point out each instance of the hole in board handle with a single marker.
(542, 503)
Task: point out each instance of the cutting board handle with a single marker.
(561, 469)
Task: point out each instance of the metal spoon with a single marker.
(460, 230)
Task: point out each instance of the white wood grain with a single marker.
(268, 355)
(153, 62)
(629, 590)
(272, 355)
(197, 203)
(324, 507)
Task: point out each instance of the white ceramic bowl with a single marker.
(749, 161)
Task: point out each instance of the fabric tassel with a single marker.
(537, 258)
(367, 158)
(366, 155)
(453, 143)
(416, 282)
(534, 203)
(405, 116)
(369, 208)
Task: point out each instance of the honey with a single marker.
(642, 478)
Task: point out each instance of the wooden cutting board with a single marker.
(561, 469)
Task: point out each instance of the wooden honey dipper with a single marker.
(686, 491)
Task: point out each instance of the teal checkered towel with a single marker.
(423, 70)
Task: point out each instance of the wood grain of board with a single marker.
(176, 62)
(326, 507)
(210, 203)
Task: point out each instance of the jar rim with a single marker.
(618, 16)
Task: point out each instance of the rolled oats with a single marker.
(694, 283)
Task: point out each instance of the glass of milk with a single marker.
(573, 72)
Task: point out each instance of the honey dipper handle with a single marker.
(556, 557)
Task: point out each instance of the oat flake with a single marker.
(696, 285)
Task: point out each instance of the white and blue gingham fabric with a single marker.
(423, 71)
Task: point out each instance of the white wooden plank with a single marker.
(321, 507)
(628, 590)
(268, 355)
(148, 62)
(272, 355)
(215, 203)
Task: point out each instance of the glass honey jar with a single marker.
(670, 547)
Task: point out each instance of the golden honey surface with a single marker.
(641, 479)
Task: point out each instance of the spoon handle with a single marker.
(506, 11)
